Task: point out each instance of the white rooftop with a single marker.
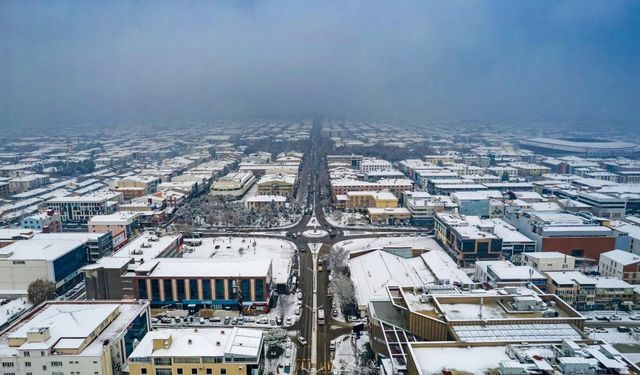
(201, 342)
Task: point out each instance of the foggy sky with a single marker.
(103, 62)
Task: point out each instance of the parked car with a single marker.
(602, 318)
(302, 340)
(287, 353)
(296, 311)
(624, 329)
(289, 320)
(615, 317)
(227, 320)
(334, 313)
(635, 317)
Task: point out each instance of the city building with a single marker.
(503, 271)
(604, 205)
(370, 164)
(137, 186)
(388, 216)
(79, 209)
(27, 182)
(549, 261)
(111, 277)
(206, 351)
(396, 187)
(233, 184)
(205, 283)
(522, 358)
(48, 221)
(590, 293)
(564, 232)
(263, 202)
(11, 235)
(424, 206)
(361, 200)
(448, 316)
(472, 203)
(582, 147)
(57, 257)
(621, 264)
(277, 184)
(122, 225)
(74, 338)
(466, 243)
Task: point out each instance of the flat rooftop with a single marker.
(71, 323)
(242, 249)
(201, 342)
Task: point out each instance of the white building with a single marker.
(74, 338)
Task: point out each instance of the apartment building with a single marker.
(466, 243)
(74, 338)
(424, 206)
(396, 187)
(202, 351)
(361, 200)
(549, 261)
(79, 209)
(621, 264)
(590, 293)
(48, 221)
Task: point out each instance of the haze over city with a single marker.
(319, 187)
(66, 63)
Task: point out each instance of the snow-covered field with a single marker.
(248, 248)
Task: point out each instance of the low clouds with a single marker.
(64, 63)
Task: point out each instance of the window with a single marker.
(194, 371)
(179, 371)
(27, 364)
(223, 371)
(56, 364)
(209, 371)
(7, 364)
(143, 371)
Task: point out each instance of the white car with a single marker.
(302, 340)
(615, 317)
(287, 353)
(332, 345)
(297, 311)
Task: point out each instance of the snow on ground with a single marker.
(612, 336)
(277, 365)
(252, 192)
(378, 243)
(347, 353)
(13, 308)
(248, 248)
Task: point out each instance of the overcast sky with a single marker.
(104, 62)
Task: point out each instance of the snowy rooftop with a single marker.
(557, 358)
(71, 324)
(242, 249)
(40, 248)
(146, 247)
(373, 272)
(620, 256)
(180, 267)
(201, 342)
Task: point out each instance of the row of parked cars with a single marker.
(241, 320)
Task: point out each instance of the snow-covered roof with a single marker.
(623, 257)
(201, 342)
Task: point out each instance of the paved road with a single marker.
(309, 190)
